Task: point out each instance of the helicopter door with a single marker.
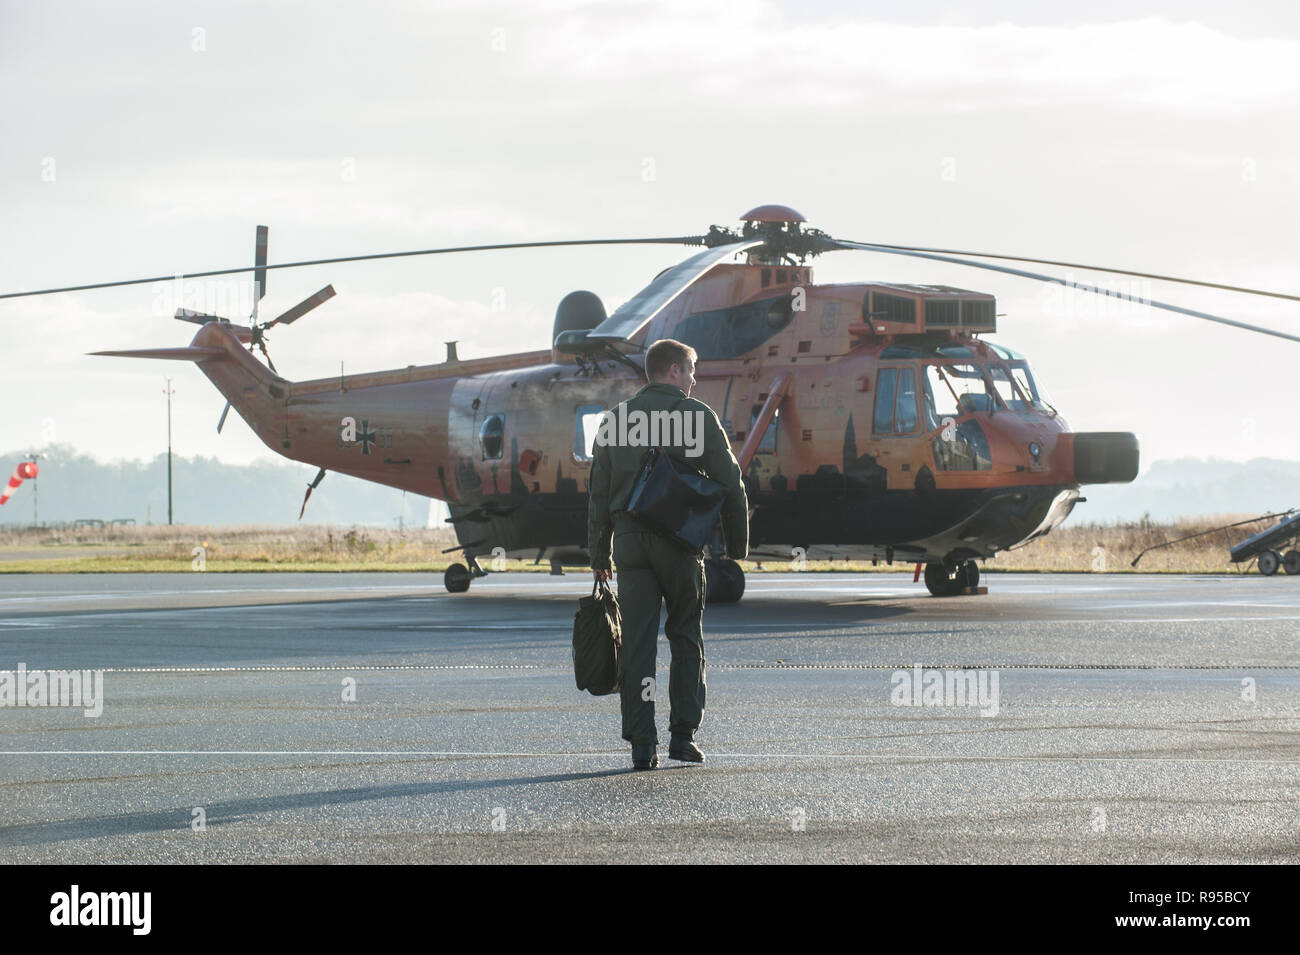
(465, 419)
(490, 445)
(894, 416)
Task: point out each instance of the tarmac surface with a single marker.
(1133, 719)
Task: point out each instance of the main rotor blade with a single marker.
(1091, 268)
(633, 314)
(242, 332)
(259, 264)
(198, 318)
(866, 247)
(675, 240)
(303, 307)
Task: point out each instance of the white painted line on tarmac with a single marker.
(472, 754)
(208, 591)
(563, 667)
(1278, 616)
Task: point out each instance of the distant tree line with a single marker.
(73, 486)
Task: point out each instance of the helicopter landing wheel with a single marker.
(724, 581)
(456, 579)
(1291, 562)
(940, 583)
(1268, 562)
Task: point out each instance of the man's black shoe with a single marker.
(684, 750)
(645, 756)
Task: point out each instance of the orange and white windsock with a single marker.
(24, 471)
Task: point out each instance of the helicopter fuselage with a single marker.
(889, 429)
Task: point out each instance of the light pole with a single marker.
(169, 392)
(36, 514)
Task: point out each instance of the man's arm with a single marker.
(599, 529)
(720, 465)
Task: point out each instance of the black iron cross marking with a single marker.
(366, 436)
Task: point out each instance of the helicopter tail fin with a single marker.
(248, 386)
(190, 353)
(217, 345)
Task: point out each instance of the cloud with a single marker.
(768, 57)
(1158, 144)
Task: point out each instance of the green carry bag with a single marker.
(598, 642)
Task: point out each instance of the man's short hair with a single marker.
(665, 353)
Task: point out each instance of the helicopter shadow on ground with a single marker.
(757, 613)
(751, 614)
(238, 810)
(393, 629)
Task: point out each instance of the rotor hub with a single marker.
(773, 213)
(781, 230)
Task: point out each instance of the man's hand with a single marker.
(603, 574)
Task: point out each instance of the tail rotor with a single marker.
(254, 333)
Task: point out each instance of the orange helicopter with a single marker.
(871, 421)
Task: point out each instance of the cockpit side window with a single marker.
(959, 390)
(895, 401)
(905, 408)
(942, 396)
(886, 387)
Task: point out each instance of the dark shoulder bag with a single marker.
(675, 500)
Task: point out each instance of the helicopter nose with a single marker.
(1105, 457)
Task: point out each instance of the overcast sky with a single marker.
(152, 139)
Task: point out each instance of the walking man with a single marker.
(653, 570)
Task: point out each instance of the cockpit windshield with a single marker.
(1030, 397)
(1018, 389)
(956, 389)
(1011, 394)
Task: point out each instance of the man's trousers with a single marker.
(652, 572)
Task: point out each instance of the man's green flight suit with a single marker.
(652, 570)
